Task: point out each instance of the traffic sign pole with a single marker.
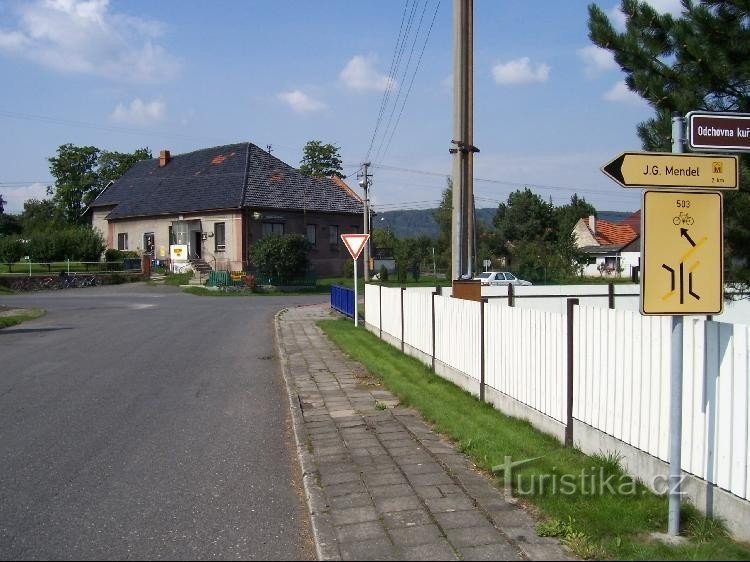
(355, 243)
(356, 299)
(675, 404)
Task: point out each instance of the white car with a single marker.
(500, 278)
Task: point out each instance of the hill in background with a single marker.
(412, 224)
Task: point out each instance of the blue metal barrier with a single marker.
(342, 300)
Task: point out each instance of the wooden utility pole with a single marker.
(462, 222)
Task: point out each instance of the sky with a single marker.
(549, 108)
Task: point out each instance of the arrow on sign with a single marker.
(686, 171)
(684, 233)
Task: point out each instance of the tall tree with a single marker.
(76, 180)
(566, 216)
(443, 216)
(697, 61)
(321, 160)
(82, 172)
(39, 215)
(2, 204)
(525, 216)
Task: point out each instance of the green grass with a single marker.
(29, 314)
(608, 526)
(177, 279)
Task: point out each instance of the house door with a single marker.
(197, 248)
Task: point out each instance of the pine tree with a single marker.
(697, 61)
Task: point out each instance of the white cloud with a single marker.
(86, 37)
(360, 74)
(520, 71)
(16, 196)
(596, 60)
(300, 102)
(139, 112)
(620, 93)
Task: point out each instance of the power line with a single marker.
(403, 81)
(411, 83)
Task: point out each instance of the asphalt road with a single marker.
(139, 422)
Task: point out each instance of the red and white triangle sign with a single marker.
(355, 243)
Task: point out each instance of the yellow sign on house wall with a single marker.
(682, 249)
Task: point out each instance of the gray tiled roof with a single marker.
(220, 178)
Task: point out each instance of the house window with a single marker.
(219, 237)
(272, 228)
(312, 234)
(333, 235)
(122, 241)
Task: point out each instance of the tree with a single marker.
(698, 61)
(39, 215)
(2, 204)
(11, 250)
(443, 216)
(525, 217)
(321, 160)
(566, 216)
(281, 256)
(82, 172)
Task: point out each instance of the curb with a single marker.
(326, 547)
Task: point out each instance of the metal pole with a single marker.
(675, 405)
(356, 300)
(366, 165)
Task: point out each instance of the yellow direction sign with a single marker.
(682, 253)
(684, 171)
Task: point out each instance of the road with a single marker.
(139, 422)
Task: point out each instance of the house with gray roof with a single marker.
(215, 203)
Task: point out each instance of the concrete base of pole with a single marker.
(669, 540)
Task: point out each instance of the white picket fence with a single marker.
(621, 365)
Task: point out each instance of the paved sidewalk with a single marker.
(381, 485)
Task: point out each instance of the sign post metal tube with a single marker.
(356, 300)
(675, 404)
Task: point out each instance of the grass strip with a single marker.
(567, 487)
(23, 316)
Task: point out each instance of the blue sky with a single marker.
(549, 108)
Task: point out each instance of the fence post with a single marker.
(380, 312)
(511, 295)
(482, 354)
(438, 291)
(402, 318)
(572, 303)
(611, 290)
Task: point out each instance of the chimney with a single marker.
(163, 158)
(592, 219)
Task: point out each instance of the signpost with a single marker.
(722, 132)
(682, 252)
(658, 169)
(355, 243)
(682, 241)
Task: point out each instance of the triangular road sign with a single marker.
(354, 243)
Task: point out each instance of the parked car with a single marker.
(500, 278)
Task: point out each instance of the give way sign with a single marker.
(355, 243)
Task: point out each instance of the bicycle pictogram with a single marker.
(683, 219)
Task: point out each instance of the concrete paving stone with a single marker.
(330, 451)
(428, 492)
(361, 532)
(431, 479)
(460, 519)
(414, 536)
(404, 519)
(373, 480)
(352, 515)
(345, 489)
(422, 468)
(403, 503)
(474, 536)
(451, 503)
(340, 478)
(377, 549)
(337, 414)
(498, 551)
(395, 436)
(439, 550)
(405, 451)
(393, 491)
(418, 458)
(327, 441)
(350, 500)
(362, 442)
(450, 489)
(338, 459)
(350, 422)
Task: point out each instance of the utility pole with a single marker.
(364, 183)
(462, 219)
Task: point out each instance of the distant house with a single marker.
(217, 202)
(612, 248)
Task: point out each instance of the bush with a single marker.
(282, 257)
(119, 255)
(11, 250)
(347, 269)
(383, 273)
